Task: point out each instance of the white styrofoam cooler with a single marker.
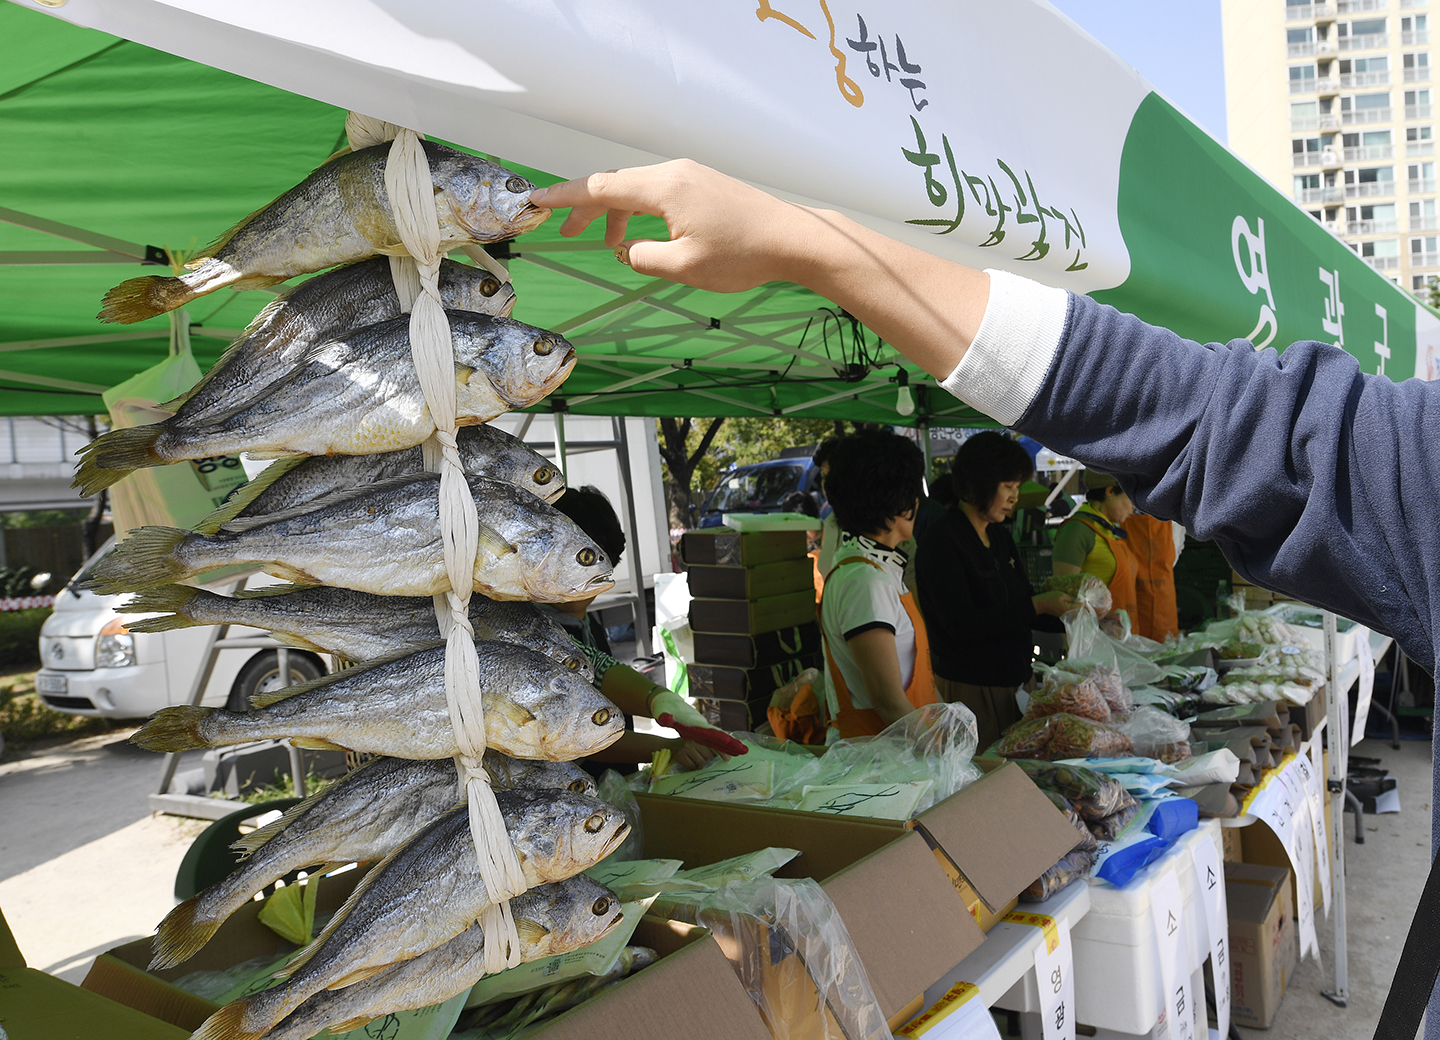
(1117, 962)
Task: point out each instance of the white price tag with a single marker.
(1315, 797)
(1302, 858)
(1367, 686)
(1210, 875)
(1054, 974)
(1168, 912)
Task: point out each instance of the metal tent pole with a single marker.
(637, 585)
(559, 420)
(197, 692)
(1337, 733)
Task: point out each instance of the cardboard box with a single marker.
(691, 993)
(759, 649)
(1263, 943)
(1309, 715)
(721, 547)
(38, 1005)
(894, 884)
(1233, 851)
(752, 687)
(766, 579)
(748, 617)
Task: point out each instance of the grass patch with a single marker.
(20, 636)
(284, 787)
(24, 717)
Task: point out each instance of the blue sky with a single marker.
(1175, 44)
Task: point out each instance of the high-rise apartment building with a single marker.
(1331, 102)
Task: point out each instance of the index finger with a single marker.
(633, 189)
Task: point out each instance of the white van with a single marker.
(92, 665)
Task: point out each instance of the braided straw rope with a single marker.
(412, 200)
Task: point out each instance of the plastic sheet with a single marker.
(1156, 734)
(1062, 736)
(795, 958)
(1092, 794)
(936, 743)
(613, 789)
(1071, 867)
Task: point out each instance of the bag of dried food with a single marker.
(1072, 695)
(1092, 794)
(1084, 588)
(1155, 734)
(1072, 867)
(1062, 736)
(1110, 827)
(1087, 840)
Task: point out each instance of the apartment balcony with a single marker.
(1328, 122)
(1358, 79)
(1364, 152)
(1424, 260)
(1367, 115)
(1430, 223)
(1419, 148)
(1333, 226)
(1311, 86)
(1417, 111)
(1300, 159)
(1330, 194)
(1421, 75)
(1371, 227)
(1305, 123)
(1371, 189)
(1303, 12)
(1414, 3)
(1382, 263)
(1299, 50)
(1368, 42)
(1357, 6)
(1416, 36)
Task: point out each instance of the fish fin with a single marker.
(338, 153)
(247, 493)
(248, 843)
(271, 590)
(228, 1024)
(531, 933)
(317, 744)
(167, 599)
(264, 455)
(493, 542)
(136, 299)
(180, 935)
(176, 728)
(516, 713)
(340, 1028)
(141, 561)
(114, 455)
(359, 975)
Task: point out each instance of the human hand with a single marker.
(670, 709)
(725, 236)
(1054, 602)
(690, 755)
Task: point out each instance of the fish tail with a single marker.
(114, 455)
(229, 1023)
(181, 935)
(173, 600)
(136, 299)
(147, 558)
(176, 728)
(247, 493)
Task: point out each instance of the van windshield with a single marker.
(755, 490)
(84, 572)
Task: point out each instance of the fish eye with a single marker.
(586, 557)
(601, 717)
(489, 287)
(516, 184)
(543, 475)
(572, 663)
(544, 346)
(602, 906)
(594, 824)
(578, 787)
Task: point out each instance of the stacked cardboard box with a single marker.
(753, 616)
(1263, 947)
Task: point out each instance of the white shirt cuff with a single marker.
(1006, 365)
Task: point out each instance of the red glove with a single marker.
(707, 735)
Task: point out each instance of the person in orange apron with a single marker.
(1094, 541)
(877, 660)
(1152, 543)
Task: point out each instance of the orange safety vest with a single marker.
(861, 722)
(1122, 585)
(1153, 546)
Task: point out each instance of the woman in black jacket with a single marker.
(978, 605)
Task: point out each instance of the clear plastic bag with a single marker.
(795, 958)
(1087, 840)
(1071, 867)
(509, 1018)
(1092, 794)
(1085, 589)
(613, 789)
(1073, 696)
(1062, 736)
(1110, 827)
(1089, 646)
(1156, 734)
(935, 743)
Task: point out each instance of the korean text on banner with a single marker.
(1167, 909)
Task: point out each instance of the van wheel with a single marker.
(261, 674)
